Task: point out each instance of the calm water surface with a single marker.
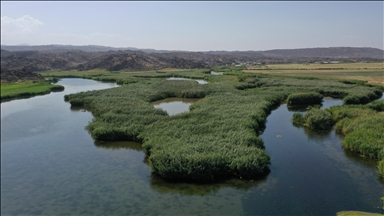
(174, 106)
(311, 174)
(51, 165)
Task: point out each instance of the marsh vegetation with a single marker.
(362, 126)
(219, 138)
(101, 177)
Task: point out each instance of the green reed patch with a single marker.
(380, 166)
(28, 89)
(362, 97)
(315, 119)
(377, 105)
(367, 142)
(301, 98)
(363, 126)
(364, 129)
(298, 119)
(218, 138)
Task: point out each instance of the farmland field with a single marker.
(370, 72)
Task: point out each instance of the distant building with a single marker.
(334, 62)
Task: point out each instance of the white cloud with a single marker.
(25, 24)
(28, 30)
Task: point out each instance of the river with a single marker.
(51, 166)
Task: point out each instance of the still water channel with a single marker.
(51, 166)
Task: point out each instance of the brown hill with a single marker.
(40, 61)
(18, 75)
(129, 61)
(60, 57)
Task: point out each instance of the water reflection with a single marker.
(318, 135)
(183, 188)
(78, 109)
(370, 163)
(301, 108)
(174, 106)
(326, 103)
(309, 171)
(203, 189)
(119, 145)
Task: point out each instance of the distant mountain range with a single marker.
(66, 48)
(67, 57)
(333, 52)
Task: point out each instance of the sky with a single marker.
(195, 25)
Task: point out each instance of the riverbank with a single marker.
(25, 89)
(361, 125)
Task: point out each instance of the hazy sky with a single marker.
(194, 26)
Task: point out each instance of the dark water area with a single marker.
(174, 106)
(382, 97)
(311, 174)
(50, 165)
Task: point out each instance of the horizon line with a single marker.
(89, 45)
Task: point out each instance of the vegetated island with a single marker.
(218, 138)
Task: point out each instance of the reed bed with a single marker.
(363, 127)
(218, 139)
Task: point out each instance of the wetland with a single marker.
(74, 156)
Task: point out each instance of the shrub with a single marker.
(363, 127)
(127, 81)
(380, 166)
(365, 141)
(377, 105)
(298, 119)
(358, 82)
(57, 88)
(304, 98)
(315, 119)
(76, 102)
(362, 97)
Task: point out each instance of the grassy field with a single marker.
(218, 138)
(370, 72)
(342, 66)
(104, 75)
(356, 213)
(27, 89)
